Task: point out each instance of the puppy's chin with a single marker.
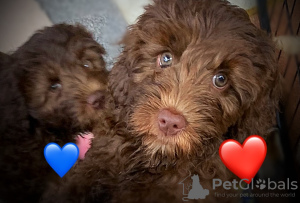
(180, 145)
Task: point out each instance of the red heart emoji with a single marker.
(244, 161)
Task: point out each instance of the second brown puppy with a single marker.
(52, 88)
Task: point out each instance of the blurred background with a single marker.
(19, 19)
(108, 20)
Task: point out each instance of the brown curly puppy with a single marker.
(192, 74)
(51, 89)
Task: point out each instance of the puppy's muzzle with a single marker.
(96, 99)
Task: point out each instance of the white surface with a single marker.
(245, 4)
(131, 9)
(19, 19)
(289, 44)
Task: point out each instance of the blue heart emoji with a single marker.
(61, 160)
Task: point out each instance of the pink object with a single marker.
(83, 142)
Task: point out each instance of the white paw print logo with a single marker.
(261, 184)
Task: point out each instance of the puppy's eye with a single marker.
(55, 86)
(165, 60)
(87, 64)
(220, 80)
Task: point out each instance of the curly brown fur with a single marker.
(44, 90)
(205, 38)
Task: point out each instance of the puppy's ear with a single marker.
(4, 60)
(118, 81)
(260, 118)
(120, 76)
(14, 112)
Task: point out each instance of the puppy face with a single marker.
(193, 73)
(63, 77)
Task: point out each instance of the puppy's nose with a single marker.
(96, 99)
(170, 123)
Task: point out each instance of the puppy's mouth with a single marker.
(91, 109)
(84, 143)
(96, 100)
(83, 134)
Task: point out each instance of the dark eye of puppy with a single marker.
(220, 80)
(87, 64)
(55, 86)
(165, 60)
